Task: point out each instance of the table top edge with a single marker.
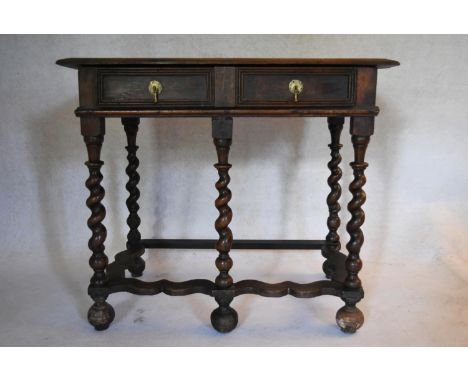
(76, 62)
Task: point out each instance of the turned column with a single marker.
(223, 318)
(136, 264)
(335, 125)
(101, 314)
(349, 317)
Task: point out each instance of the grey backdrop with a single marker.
(415, 260)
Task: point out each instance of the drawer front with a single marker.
(320, 87)
(180, 87)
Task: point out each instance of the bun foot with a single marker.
(137, 267)
(224, 319)
(349, 319)
(100, 315)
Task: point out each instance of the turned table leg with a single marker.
(136, 264)
(349, 317)
(101, 314)
(335, 125)
(223, 318)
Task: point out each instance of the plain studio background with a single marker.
(415, 262)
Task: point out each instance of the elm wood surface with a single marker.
(222, 89)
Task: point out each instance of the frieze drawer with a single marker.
(174, 87)
(296, 87)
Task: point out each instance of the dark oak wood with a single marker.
(349, 317)
(236, 244)
(335, 125)
(223, 318)
(353, 264)
(101, 314)
(239, 113)
(310, 290)
(269, 86)
(207, 287)
(222, 89)
(181, 87)
(228, 87)
(76, 63)
(118, 283)
(133, 237)
(171, 288)
(225, 86)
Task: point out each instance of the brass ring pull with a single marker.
(155, 88)
(296, 87)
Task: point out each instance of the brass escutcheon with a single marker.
(296, 87)
(155, 88)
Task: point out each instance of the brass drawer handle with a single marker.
(296, 87)
(155, 88)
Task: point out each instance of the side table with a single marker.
(224, 89)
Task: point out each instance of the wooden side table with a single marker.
(223, 89)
